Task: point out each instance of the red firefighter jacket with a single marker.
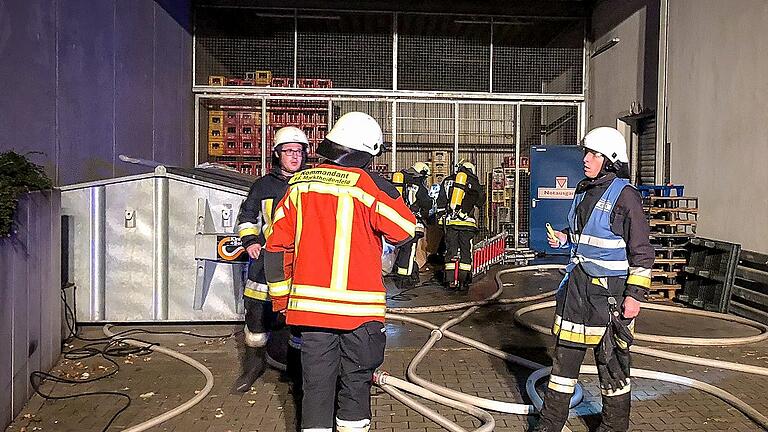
(324, 255)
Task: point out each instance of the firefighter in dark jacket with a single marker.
(412, 186)
(459, 195)
(254, 225)
(607, 278)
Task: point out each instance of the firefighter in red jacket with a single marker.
(323, 266)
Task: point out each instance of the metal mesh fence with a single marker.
(352, 50)
(423, 128)
(541, 125)
(355, 50)
(382, 112)
(486, 137)
(231, 42)
(439, 52)
(532, 56)
(537, 70)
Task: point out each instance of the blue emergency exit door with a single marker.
(555, 171)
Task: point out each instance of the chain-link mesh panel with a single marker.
(486, 137)
(560, 125)
(382, 112)
(231, 42)
(541, 125)
(439, 52)
(353, 50)
(530, 134)
(538, 57)
(422, 129)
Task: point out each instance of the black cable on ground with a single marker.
(106, 347)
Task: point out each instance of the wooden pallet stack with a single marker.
(673, 223)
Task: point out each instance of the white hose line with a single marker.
(391, 385)
(422, 409)
(530, 387)
(177, 355)
(493, 298)
(719, 364)
(438, 332)
(727, 397)
(508, 407)
(674, 340)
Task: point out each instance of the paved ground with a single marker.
(157, 383)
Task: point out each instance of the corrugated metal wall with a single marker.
(30, 302)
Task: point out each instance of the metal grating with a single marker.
(231, 42)
(646, 157)
(442, 52)
(381, 111)
(352, 50)
(355, 49)
(534, 56)
(560, 125)
(421, 129)
(486, 137)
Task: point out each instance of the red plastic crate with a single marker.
(306, 82)
(230, 132)
(247, 168)
(248, 118)
(323, 83)
(232, 147)
(248, 132)
(250, 148)
(281, 82)
(231, 117)
(234, 81)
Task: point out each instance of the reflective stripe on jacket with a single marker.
(327, 241)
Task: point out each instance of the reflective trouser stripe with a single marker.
(352, 425)
(256, 290)
(562, 384)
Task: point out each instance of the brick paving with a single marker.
(157, 383)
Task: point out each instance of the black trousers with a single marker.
(258, 315)
(347, 358)
(566, 363)
(458, 243)
(406, 256)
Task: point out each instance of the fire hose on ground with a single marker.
(476, 406)
(541, 372)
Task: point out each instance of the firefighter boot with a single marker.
(554, 413)
(402, 282)
(253, 367)
(615, 413)
(253, 360)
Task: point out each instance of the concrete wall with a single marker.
(87, 80)
(30, 305)
(627, 72)
(718, 114)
